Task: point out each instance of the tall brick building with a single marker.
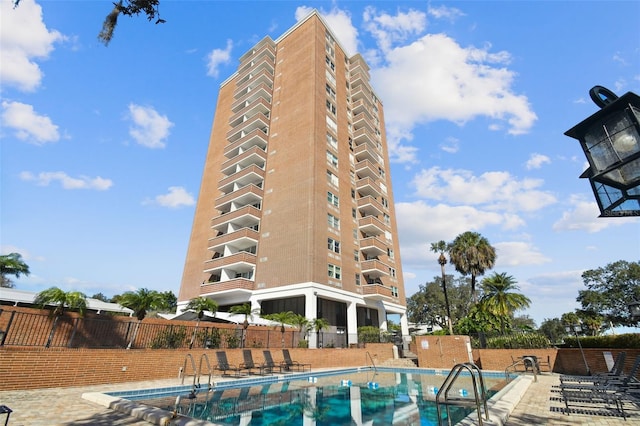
(296, 211)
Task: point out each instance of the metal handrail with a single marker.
(476, 376)
(372, 363)
(206, 358)
(534, 368)
(184, 369)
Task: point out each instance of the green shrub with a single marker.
(369, 334)
(170, 338)
(620, 341)
(519, 341)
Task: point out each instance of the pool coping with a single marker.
(499, 406)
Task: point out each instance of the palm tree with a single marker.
(471, 254)
(11, 264)
(302, 323)
(319, 324)
(60, 299)
(200, 305)
(500, 297)
(441, 247)
(140, 302)
(283, 318)
(244, 309)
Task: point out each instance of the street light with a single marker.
(610, 139)
(577, 328)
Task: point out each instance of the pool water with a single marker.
(355, 398)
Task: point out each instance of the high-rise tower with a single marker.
(295, 211)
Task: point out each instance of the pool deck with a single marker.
(65, 406)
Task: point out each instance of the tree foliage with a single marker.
(609, 291)
(61, 300)
(554, 329)
(150, 8)
(200, 305)
(11, 264)
(502, 299)
(472, 255)
(428, 306)
(141, 301)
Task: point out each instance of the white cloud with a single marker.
(518, 253)
(149, 128)
(25, 39)
(584, 216)
(450, 145)
(494, 190)
(83, 182)
(444, 12)
(175, 198)
(218, 57)
(27, 124)
(388, 29)
(536, 161)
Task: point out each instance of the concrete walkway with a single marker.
(65, 407)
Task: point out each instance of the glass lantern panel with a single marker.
(611, 141)
(625, 175)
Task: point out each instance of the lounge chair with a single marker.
(224, 366)
(289, 364)
(249, 365)
(270, 363)
(616, 371)
(619, 380)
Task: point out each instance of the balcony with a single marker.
(258, 121)
(249, 175)
(233, 284)
(362, 107)
(360, 121)
(377, 292)
(364, 135)
(240, 239)
(361, 92)
(249, 109)
(262, 78)
(371, 225)
(247, 195)
(245, 216)
(369, 206)
(253, 156)
(255, 138)
(368, 186)
(242, 261)
(263, 91)
(367, 169)
(367, 151)
(372, 246)
(263, 63)
(374, 268)
(265, 47)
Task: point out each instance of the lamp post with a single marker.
(610, 139)
(576, 328)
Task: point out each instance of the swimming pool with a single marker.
(389, 396)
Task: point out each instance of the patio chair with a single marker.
(617, 379)
(269, 362)
(249, 365)
(224, 366)
(616, 370)
(289, 364)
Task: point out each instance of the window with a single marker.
(394, 291)
(330, 63)
(330, 50)
(329, 38)
(331, 107)
(332, 179)
(330, 78)
(332, 199)
(356, 255)
(332, 159)
(330, 91)
(385, 202)
(357, 279)
(387, 219)
(392, 272)
(334, 271)
(353, 193)
(390, 254)
(333, 245)
(332, 124)
(331, 140)
(354, 214)
(381, 172)
(334, 222)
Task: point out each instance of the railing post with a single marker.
(3, 337)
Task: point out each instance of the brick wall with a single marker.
(441, 351)
(36, 368)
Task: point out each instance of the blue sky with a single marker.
(102, 148)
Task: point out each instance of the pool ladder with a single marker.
(197, 374)
(479, 392)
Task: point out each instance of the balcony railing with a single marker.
(237, 259)
(242, 216)
(249, 194)
(257, 137)
(242, 238)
